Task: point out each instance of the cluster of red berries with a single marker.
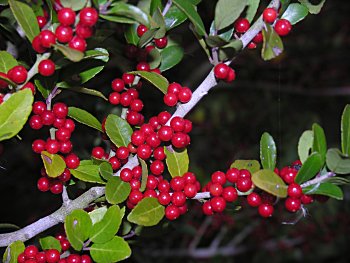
(158, 42)
(176, 93)
(57, 119)
(117, 160)
(224, 72)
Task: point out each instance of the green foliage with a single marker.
(106, 170)
(53, 163)
(327, 189)
(273, 45)
(88, 173)
(268, 152)
(117, 191)
(270, 182)
(155, 79)
(310, 168)
(251, 165)
(305, 145)
(118, 130)
(50, 242)
(144, 175)
(76, 5)
(84, 117)
(126, 13)
(70, 53)
(12, 252)
(176, 161)
(227, 11)
(337, 162)
(170, 57)
(253, 6)
(295, 13)
(319, 143)
(313, 9)
(148, 212)
(115, 250)
(345, 131)
(7, 61)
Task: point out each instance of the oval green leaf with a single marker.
(14, 113)
(70, 53)
(54, 164)
(305, 144)
(319, 144)
(272, 45)
(96, 215)
(76, 5)
(326, 189)
(148, 212)
(130, 34)
(87, 173)
(345, 131)
(144, 176)
(7, 61)
(268, 152)
(88, 91)
(118, 130)
(336, 162)
(117, 191)
(174, 17)
(171, 56)
(155, 79)
(106, 170)
(50, 242)
(251, 165)
(270, 182)
(313, 9)
(295, 13)
(253, 6)
(310, 168)
(84, 117)
(129, 11)
(114, 250)
(12, 252)
(227, 11)
(177, 161)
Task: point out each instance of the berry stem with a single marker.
(318, 179)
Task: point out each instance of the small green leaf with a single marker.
(345, 131)
(129, 11)
(84, 117)
(114, 250)
(148, 212)
(130, 34)
(176, 161)
(78, 227)
(44, 90)
(50, 242)
(155, 79)
(336, 162)
(253, 6)
(273, 45)
(87, 91)
(319, 144)
(54, 164)
(107, 228)
(118, 130)
(295, 13)
(144, 175)
(118, 19)
(189, 9)
(14, 113)
(227, 11)
(326, 189)
(106, 170)
(70, 53)
(251, 165)
(310, 168)
(313, 9)
(159, 20)
(87, 173)
(96, 215)
(76, 5)
(12, 252)
(305, 144)
(270, 182)
(7, 61)
(25, 18)
(117, 191)
(268, 152)
(171, 56)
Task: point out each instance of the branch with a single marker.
(318, 179)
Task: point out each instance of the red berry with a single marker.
(161, 42)
(73, 258)
(232, 175)
(306, 199)
(165, 133)
(77, 43)
(141, 29)
(128, 78)
(52, 255)
(84, 31)
(138, 138)
(66, 16)
(114, 98)
(207, 208)
(258, 38)
(69, 124)
(172, 212)
(231, 76)
(40, 257)
(86, 259)
(46, 67)
(35, 122)
(230, 194)
(188, 126)
(292, 204)
(215, 189)
(190, 190)
(177, 124)
(17, 74)
(47, 38)
(153, 140)
(60, 110)
(177, 183)
(144, 151)
(254, 199)
(136, 105)
(179, 140)
(41, 21)
(65, 176)
(39, 107)
(244, 184)
(126, 175)
(294, 190)
(47, 118)
(265, 210)
(38, 146)
(288, 175)
(170, 99)
(122, 152)
(163, 186)
(152, 182)
(66, 147)
(218, 204)
(88, 16)
(157, 167)
(30, 251)
(184, 95)
(52, 146)
(135, 196)
(65, 245)
(178, 198)
(63, 134)
(125, 99)
(64, 34)
(37, 46)
(221, 71)
(241, 25)
(133, 118)
(98, 152)
(269, 15)
(118, 85)
(174, 88)
(164, 198)
(143, 66)
(114, 162)
(135, 184)
(218, 177)
(72, 161)
(56, 187)
(244, 173)
(283, 27)
(21, 258)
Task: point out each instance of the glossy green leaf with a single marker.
(144, 175)
(7, 61)
(189, 9)
(295, 13)
(319, 144)
(84, 117)
(270, 182)
(12, 252)
(129, 11)
(310, 168)
(160, 24)
(268, 152)
(337, 180)
(253, 6)
(87, 91)
(305, 145)
(154, 58)
(155, 79)
(106, 170)
(70, 53)
(251, 165)
(14, 113)
(147, 37)
(313, 9)
(345, 131)
(130, 34)
(171, 56)
(177, 161)
(75, 5)
(44, 90)
(50, 242)
(97, 214)
(115, 250)
(25, 18)
(118, 19)
(174, 17)
(227, 11)
(54, 164)
(87, 173)
(154, 5)
(337, 162)
(326, 189)
(226, 35)
(107, 228)
(148, 212)
(118, 130)
(272, 45)
(117, 191)
(78, 227)
(4, 2)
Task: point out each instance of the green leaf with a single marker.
(84, 117)
(96, 215)
(107, 228)
(129, 11)
(148, 212)
(326, 189)
(319, 144)
(253, 6)
(337, 162)
(50, 242)
(310, 168)
(227, 11)
(87, 91)
(70, 53)
(313, 9)
(106, 170)
(7, 61)
(130, 34)
(230, 50)
(87, 173)
(305, 144)
(54, 164)
(76, 5)
(12, 252)
(295, 13)
(14, 113)
(118, 19)
(190, 11)
(114, 250)
(144, 175)
(270, 182)
(216, 41)
(78, 227)
(251, 165)
(155, 79)
(154, 58)
(159, 20)
(117, 191)
(176, 161)
(44, 90)
(147, 37)
(174, 17)
(345, 131)
(118, 130)
(268, 152)
(171, 56)
(272, 45)
(25, 18)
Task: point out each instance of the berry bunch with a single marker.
(176, 93)
(158, 42)
(224, 72)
